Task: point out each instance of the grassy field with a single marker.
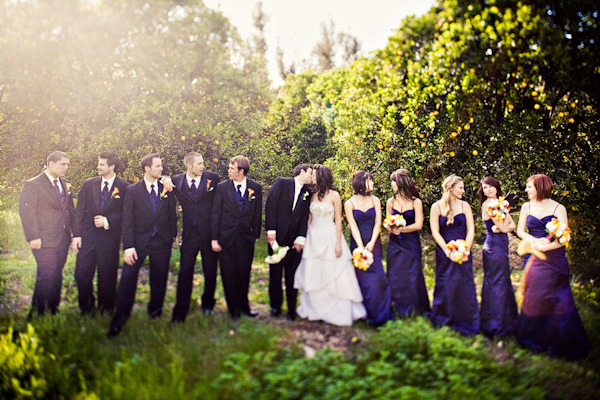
(69, 356)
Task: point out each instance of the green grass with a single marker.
(213, 357)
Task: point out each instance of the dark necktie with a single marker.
(240, 199)
(61, 195)
(153, 197)
(104, 195)
(193, 185)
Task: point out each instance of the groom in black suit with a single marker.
(236, 224)
(46, 209)
(149, 226)
(286, 214)
(195, 191)
(97, 234)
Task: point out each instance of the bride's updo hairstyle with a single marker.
(324, 179)
(407, 188)
(447, 185)
(359, 182)
(543, 186)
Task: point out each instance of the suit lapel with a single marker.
(303, 190)
(50, 188)
(143, 192)
(232, 195)
(291, 191)
(182, 184)
(96, 189)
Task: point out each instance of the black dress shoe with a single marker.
(208, 311)
(252, 313)
(113, 332)
(292, 316)
(275, 312)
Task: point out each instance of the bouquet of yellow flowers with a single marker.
(362, 258)
(559, 232)
(392, 221)
(498, 208)
(278, 253)
(459, 251)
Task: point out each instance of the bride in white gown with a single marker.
(325, 276)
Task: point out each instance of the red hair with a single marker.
(543, 186)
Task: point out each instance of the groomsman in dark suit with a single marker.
(97, 234)
(149, 226)
(236, 224)
(286, 214)
(195, 191)
(46, 209)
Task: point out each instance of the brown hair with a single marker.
(407, 188)
(148, 159)
(488, 180)
(191, 157)
(359, 182)
(543, 186)
(324, 179)
(242, 163)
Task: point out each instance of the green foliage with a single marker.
(21, 362)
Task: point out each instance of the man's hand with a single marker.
(130, 256)
(298, 247)
(167, 183)
(76, 244)
(271, 238)
(35, 244)
(216, 247)
(99, 221)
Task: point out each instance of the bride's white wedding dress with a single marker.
(328, 284)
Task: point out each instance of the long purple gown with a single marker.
(373, 282)
(405, 271)
(454, 297)
(549, 320)
(498, 306)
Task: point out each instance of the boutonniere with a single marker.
(115, 193)
(68, 185)
(208, 187)
(250, 194)
(164, 194)
(304, 196)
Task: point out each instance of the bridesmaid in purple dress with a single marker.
(454, 298)
(498, 306)
(549, 320)
(404, 267)
(363, 212)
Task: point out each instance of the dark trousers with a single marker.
(189, 251)
(107, 260)
(159, 252)
(236, 265)
(288, 265)
(48, 282)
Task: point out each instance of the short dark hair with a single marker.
(488, 180)
(148, 159)
(111, 159)
(299, 168)
(242, 163)
(359, 182)
(191, 157)
(543, 186)
(56, 156)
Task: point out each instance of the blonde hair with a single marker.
(447, 185)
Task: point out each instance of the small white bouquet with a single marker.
(278, 253)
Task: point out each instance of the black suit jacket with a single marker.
(227, 221)
(88, 206)
(139, 219)
(42, 215)
(201, 209)
(279, 215)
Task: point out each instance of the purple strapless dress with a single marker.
(405, 271)
(454, 297)
(373, 282)
(549, 320)
(498, 306)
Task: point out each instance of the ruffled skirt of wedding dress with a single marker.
(328, 284)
